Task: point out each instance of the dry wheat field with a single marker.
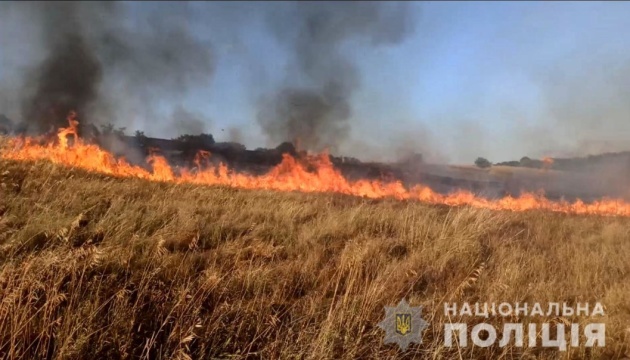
(101, 267)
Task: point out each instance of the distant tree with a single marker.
(350, 160)
(197, 141)
(286, 148)
(483, 163)
(509, 163)
(526, 162)
(206, 139)
(120, 131)
(139, 134)
(107, 129)
(89, 130)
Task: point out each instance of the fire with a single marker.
(289, 175)
(547, 163)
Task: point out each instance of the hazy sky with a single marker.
(492, 79)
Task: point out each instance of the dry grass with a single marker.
(98, 267)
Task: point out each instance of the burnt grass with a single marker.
(100, 267)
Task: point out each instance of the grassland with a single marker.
(99, 267)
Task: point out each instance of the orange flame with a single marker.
(547, 163)
(289, 175)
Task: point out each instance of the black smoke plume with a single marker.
(95, 63)
(316, 112)
(68, 78)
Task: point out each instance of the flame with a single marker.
(547, 163)
(289, 175)
(547, 160)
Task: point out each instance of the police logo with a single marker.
(403, 324)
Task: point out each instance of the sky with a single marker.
(499, 80)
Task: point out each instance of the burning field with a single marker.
(122, 266)
(138, 247)
(290, 175)
(104, 259)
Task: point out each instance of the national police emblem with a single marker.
(403, 324)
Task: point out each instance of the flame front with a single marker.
(289, 175)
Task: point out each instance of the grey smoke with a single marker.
(89, 58)
(95, 63)
(315, 106)
(234, 134)
(186, 122)
(588, 104)
(68, 78)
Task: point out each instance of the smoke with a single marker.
(564, 82)
(316, 112)
(94, 62)
(67, 80)
(186, 122)
(89, 57)
(407, 138)
(235, 135)
(588, 104)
